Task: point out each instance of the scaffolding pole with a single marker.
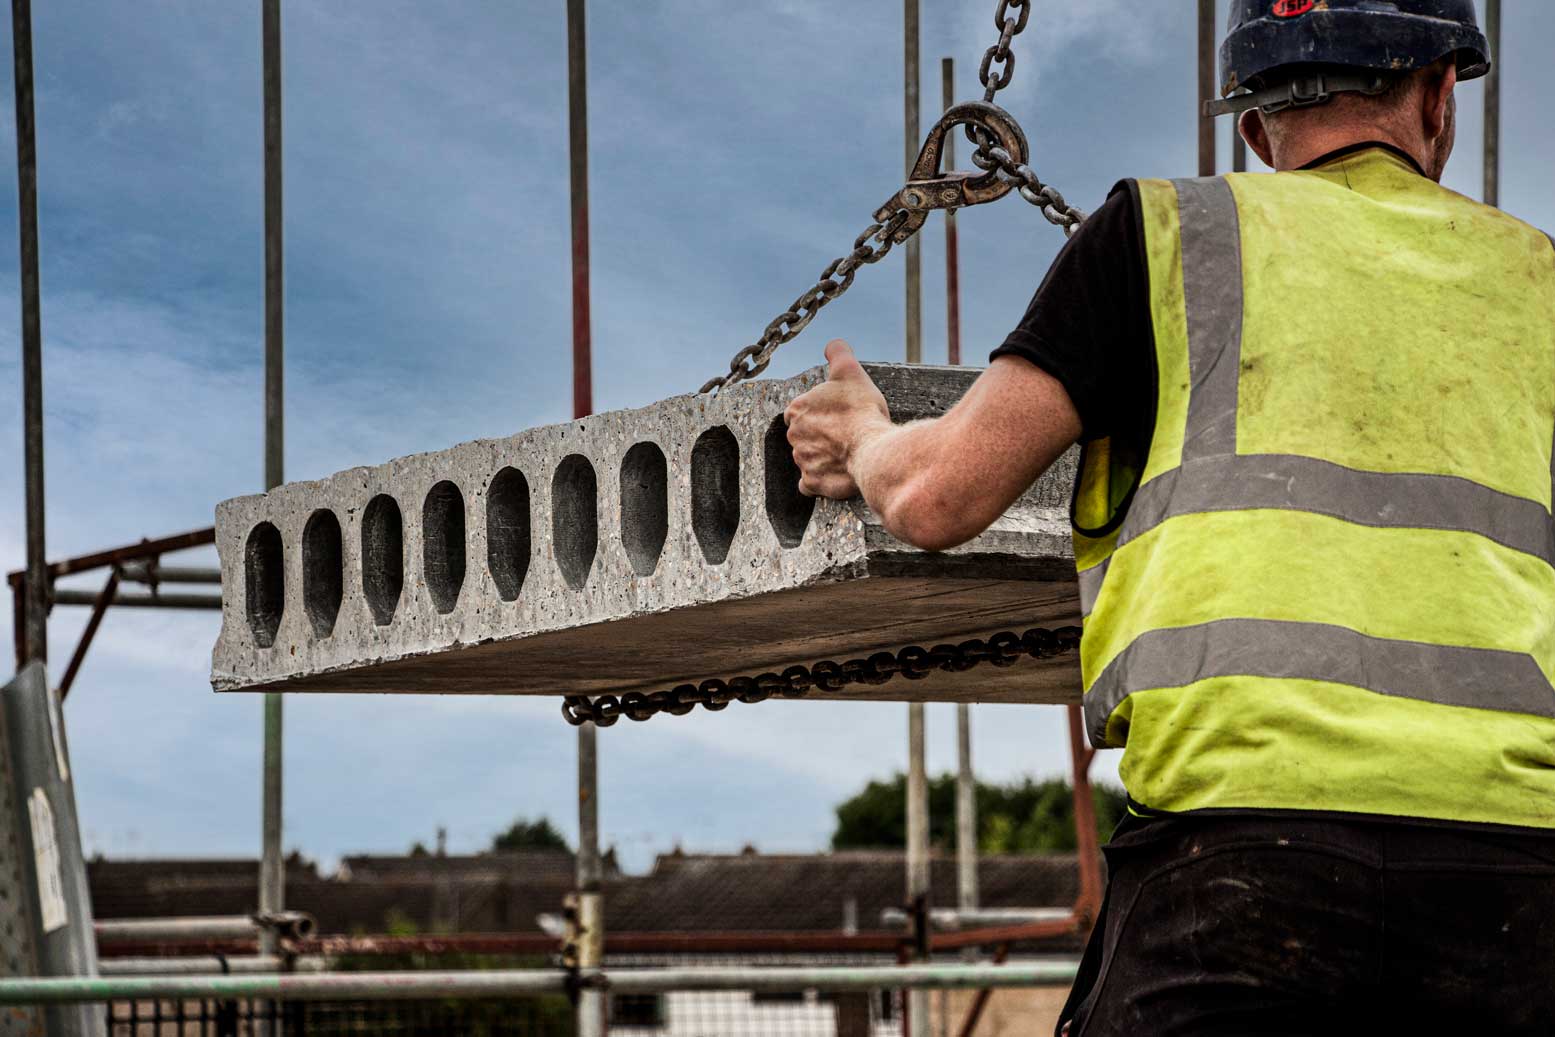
(289, 924)
(1493, 105)
(272, 867)
(589, 930)
(966, 813)
(496, 983)
(914, 314)
(966, 785)
(947, 69)
(590, 924)
(917, 862)
(917, 1021)
(35, 597)
(1206, 87)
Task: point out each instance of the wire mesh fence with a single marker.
(676, 1013)
(691, 1013)
(744, 1013)
(548, 1016)
(681, 994)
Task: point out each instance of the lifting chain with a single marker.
(912, 663)
(1003, 162)
(835, 279)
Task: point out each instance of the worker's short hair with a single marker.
(1394, 84)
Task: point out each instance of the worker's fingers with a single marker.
(843, 363)
(835, 487)
(796, 407)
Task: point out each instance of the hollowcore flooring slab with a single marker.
(628, 551)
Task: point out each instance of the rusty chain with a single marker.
(835, 279)
(1009, 26)
(911, 663)
(988, 155)
(995, 72)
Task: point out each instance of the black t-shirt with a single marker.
(1089, 324)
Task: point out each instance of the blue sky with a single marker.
(736, 149)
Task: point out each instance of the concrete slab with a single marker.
(629, 551)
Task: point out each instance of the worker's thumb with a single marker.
(844, 364)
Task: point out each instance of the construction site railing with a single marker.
(287, 924)
(472, 985)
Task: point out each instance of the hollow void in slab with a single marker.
(715, 492)
(442, 542)
(383, 557)
(645, 506)
(787, 509)
(507, 532)
(323, 572)
(264, 583)
(575, 518)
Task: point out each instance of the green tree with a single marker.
(523, 834)
(1022, 817)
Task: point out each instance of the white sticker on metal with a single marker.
(45, 856)
(56, 733)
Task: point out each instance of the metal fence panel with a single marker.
(43, 819)
(18, 955)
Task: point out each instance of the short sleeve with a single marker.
(1089, 326)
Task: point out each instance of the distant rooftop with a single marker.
(505, 892)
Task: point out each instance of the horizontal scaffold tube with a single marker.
(201, 927)
(211, 966)
(414, 986)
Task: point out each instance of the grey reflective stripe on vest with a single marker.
(1476, 678)
(1090, 581)
(1382, 499)
(1212, 294)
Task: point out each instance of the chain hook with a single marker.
(928, 188)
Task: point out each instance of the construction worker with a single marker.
(1315, 544)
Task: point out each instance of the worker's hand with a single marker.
(827, 425)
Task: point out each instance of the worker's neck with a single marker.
(1298, 151)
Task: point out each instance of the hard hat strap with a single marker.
(1300, 92)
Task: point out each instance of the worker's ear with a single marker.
(1436, 99)
(1251, 126)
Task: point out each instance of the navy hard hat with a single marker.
(1370, 36)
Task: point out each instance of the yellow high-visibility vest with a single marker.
(1333, 587)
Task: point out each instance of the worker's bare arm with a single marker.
(935, 483)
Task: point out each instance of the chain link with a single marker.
(995, 73)
(912, 663)
(1044, 196)
(835, 279)
(1009, 26)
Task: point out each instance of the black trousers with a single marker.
(1273, 925)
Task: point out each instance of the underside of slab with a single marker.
(835, 621)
